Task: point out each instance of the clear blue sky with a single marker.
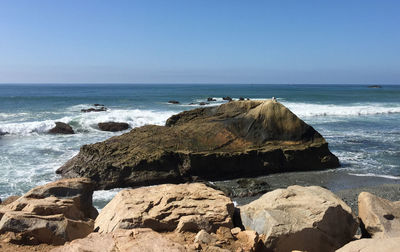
(200, 41)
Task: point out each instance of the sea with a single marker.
(360, 123)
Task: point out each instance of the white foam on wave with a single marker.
(318, 110)
(374, 175)
(27, 128)
(5, 116)
(88, 121)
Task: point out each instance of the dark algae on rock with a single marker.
(236, 139)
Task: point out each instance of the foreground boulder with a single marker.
(372, 245)
(113, 126)
(301, 218)
(184, 208)
(380, 217)
(236, 139)
(53, 213)
(139, 239)
(62, 128)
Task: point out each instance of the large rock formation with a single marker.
(372, 245)
(53, 213)
(184, 207)
(301, 218)
(380, 217)
(236, 139)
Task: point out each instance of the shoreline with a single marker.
(340, 182)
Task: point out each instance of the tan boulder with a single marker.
(301, 218)
(166, 207)
(134, 240)
(372, 245)
(249, 241)
(380, 217)
(53, 213)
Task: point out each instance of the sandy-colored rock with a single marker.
(236, 139)
(134, 240)
(372, 245)
(380, 217)
(249, 241)
(53, 213)
(301, 218)
(235, 230)
(9, 200)
(163, 207)
(224, 233)
(202, 237)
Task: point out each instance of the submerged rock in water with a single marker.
(236, 139)
(62, 128)
(173, 102)
(113, 126)
(94, 110)
(375, 86)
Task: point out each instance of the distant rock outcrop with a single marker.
(375, 86)
(236, 139)
(101, 109)
(173, 102)
(301, 218)
(62, 128)
(113, 126)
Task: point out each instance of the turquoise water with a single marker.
(361, 124)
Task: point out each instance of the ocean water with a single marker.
(361, 124)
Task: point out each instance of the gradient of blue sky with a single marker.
(200, 41)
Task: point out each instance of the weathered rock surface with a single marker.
(62, 128)
(9, 200)
(113, 126)
(186, 207)
(372, 245)
(140, 240)
(53, 213)
(236, 139)
(380, 217)
(211, 99)
(301, 218)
